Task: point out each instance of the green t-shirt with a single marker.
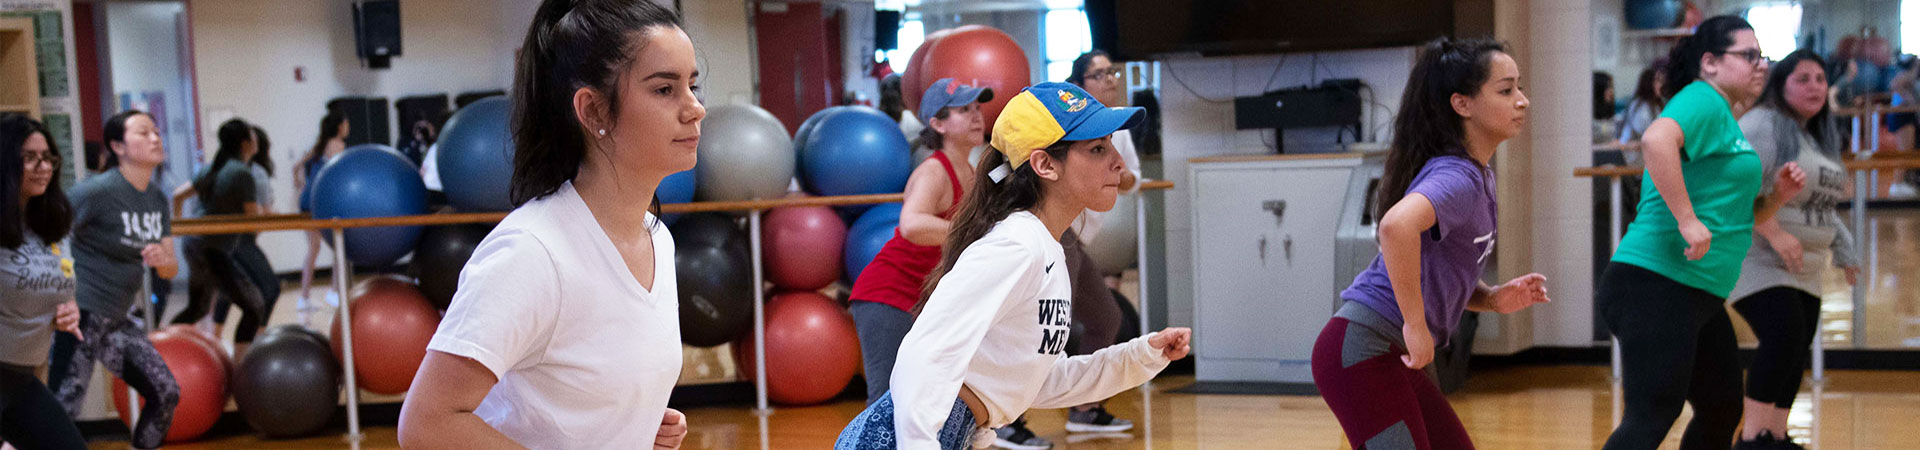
(1723, 178)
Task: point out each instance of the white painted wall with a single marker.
(720, 34)
(1196, 99)
(1558, 78)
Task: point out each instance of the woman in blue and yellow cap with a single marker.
(1000, 297)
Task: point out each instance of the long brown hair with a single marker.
(1427, 126)
(570, 45)
(985, 205)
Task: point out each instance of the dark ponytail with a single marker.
(931, 138)
(571, 44)
(233, 135)
(1427, 126)
(329, 129)
(985, 205)
(1683, 62)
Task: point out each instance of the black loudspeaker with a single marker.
(376, 28)
(886, 29)
(465, 98)
(1298, 108)
(366, 119)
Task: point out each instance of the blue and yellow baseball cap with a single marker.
(1050, 112)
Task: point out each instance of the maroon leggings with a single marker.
(1381, 404)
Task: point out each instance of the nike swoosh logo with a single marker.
(1049, 268)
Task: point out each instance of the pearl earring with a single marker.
(603, 132)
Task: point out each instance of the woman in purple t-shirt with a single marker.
(1436, 214)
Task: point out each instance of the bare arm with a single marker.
(1661, 148)
(438, 412)
(179, 197)
(1400, 233)
(919, 219)
(160, 258)
(1482, 299)
(1788, 183)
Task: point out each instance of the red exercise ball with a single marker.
(211, 342)
(202, 378)
(911, 83)
(812, 350)
(979, 56)
(392, 323)
(803, 247)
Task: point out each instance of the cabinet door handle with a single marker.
(1277, 207)
(1286, 245)
(1263, 250)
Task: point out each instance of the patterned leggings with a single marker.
(122, 347)
(873, 429)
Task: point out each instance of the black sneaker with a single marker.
(1767, 441)
(1096, 420)
(1016, 436)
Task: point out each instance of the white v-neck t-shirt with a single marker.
(585, 355)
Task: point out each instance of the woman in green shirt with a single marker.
(1664, 295)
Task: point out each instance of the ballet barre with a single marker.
(342, 269)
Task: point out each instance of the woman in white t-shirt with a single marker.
(999, 311)
(564, 332)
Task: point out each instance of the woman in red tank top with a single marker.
(888, 288)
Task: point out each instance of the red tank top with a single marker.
(900, 269)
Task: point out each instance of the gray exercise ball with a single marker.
(744, 154)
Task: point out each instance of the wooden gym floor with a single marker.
(1509, 408)
(1506, 408)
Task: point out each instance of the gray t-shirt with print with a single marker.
(1809, 216)
(35, 278)
(112, 222)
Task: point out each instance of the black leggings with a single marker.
(1785, 319)
(254, 264)
(1094, 307)
(30, 418)
(1676, 347)
(213, 268)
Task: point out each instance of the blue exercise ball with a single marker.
(476, 156)
(806, 127)
(855, 151)
(676, 188)
(372, 180)
(868, 235)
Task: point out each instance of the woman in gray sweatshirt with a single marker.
(1780, 281)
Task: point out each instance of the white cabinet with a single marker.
(1266, 259)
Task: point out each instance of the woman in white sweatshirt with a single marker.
(999, 308)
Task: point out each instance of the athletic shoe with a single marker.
(1016, 436)
(1096, 420)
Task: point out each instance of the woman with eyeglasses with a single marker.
(1663, 296)
(36, 285)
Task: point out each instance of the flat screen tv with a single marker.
(1144, 29)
